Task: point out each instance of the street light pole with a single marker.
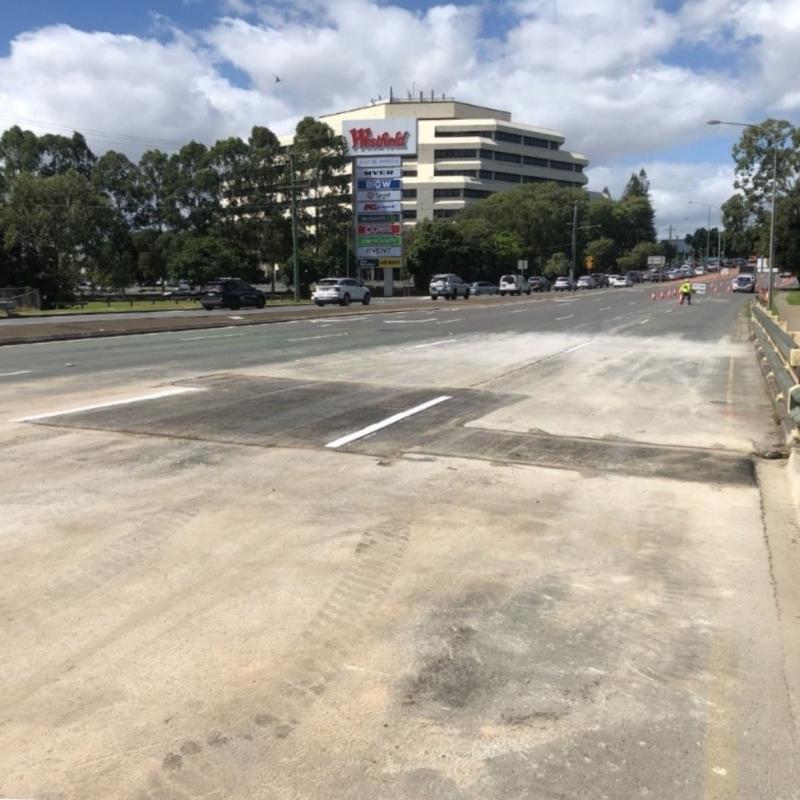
(771, 257)
(574, 240)
(295, 264)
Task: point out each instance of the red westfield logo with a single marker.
(364, 139)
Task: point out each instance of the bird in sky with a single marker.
(277, 78)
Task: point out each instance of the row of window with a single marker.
(501, 136)
(459, 154)
(441, 194)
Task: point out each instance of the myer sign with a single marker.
(380, 137)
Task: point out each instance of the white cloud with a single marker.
(611, 76)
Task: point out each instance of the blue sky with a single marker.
(629, 84)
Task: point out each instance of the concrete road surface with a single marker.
(505, 551)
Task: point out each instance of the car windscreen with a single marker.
(507, 278)
(328, 282)
(217, 286)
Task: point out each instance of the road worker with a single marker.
(685, 292)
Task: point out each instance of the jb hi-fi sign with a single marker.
(376, 137)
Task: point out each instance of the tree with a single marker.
(739, 223)
(193, 189)
(199, 258)
(557, 264)
(436, 246)
(603, 251)
(636, 259)
(117, 177)
(753, 156)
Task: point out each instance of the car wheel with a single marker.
(234, 304)
(502, 294)
(346, 300)
(434, 297)
(317, 303)
(261, 302)
(466, 295)
(528, 293)
(365, 300)
(208, 308)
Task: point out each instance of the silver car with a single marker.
(449, 286)
(483, 287)
(340, 291)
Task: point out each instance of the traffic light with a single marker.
(589, 261)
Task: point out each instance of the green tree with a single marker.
(558, 264)
(740, 225)
(436, 246)
(603, 251)
(636, 259)
(753, 157)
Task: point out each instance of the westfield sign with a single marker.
(364, 139)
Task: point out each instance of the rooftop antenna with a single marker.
(431, 95)
(391, 94)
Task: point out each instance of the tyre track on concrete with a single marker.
(209, 764)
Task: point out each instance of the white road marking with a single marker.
(431, 344)
(235, 317)
(199, 338)
(670, 310)
(351, 437)
(323, 336)
(645, 321)
(457, 319)
(578, 346)
(605, 308)
(632, 303)
(407, 321)
(569, 316)
(18, 372)
(519, 311)
(173, 390)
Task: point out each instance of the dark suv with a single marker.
(231, 293)
(538, 283)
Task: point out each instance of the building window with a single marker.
(535, 162)
(567, 183)
(503, 136)
(409, 173)
(441, 193)
(508, 177)
(477, 193)
(578, 167)
(461, 173)
(533, 179)
(511, 158)
(444, 213)
(533, 141)
(409, 194)
(456, 153)
(554, 145)
(486, 153)
(451, 133)
(486, 174)
(562, 165)
(409, 213)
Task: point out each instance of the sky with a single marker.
(630, 83)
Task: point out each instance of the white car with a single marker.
(513, 284)
(620, 281)
(341, 291)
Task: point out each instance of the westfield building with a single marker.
(453, 154)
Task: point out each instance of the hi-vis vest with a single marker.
(686, 288)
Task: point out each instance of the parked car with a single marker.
(513, 284)
(600, 279)
(619, 281)
(483, 287)
(448, 286)
(634, 277)
(341, 291)
(700, 271)
(586, 282)
(564, 284)
(232, 293)
(744, 283)
(538, 283)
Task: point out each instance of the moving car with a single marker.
(620, 281)
(449, 286)
(538, 283)
(341, 291)
(483, 287)
(564, 284)
(586, 282)
(513, 284)
(744, 283)
(232, 293)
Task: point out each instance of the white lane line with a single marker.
(633, 302)
(431, 344)
(199, 338)
(323, 336)
(173, 390)
(578, 346)
(605, 308)
(519, 311)
(351, 437)
(459, 319)
(18, 372)
(645, 321)
(569, 316)
(670, 310)
(407, 321)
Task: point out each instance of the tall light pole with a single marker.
(771, 259)
(708, 230)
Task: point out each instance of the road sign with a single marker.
(379, 207)
(522, 265)
(656, 261)
(390, 263)
(380, 241)
(378, 172)
(373, 162)
(699, 288)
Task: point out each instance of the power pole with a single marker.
(574, 240)
(295, 265)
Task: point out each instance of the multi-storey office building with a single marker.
(467, 152)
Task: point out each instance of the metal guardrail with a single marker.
(781, 355)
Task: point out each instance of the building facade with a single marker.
(466, 153)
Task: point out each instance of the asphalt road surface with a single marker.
(507, 550)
